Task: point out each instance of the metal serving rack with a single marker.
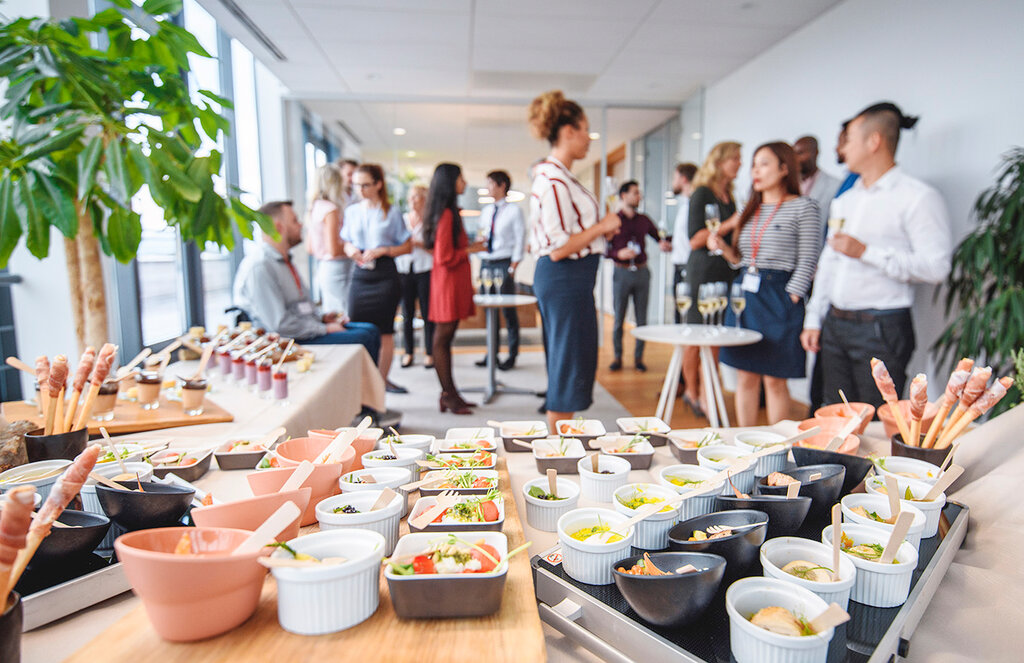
(598, 618)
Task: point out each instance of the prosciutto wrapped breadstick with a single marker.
(85, 365)
(64, 490)
(918, 402)
(980, 406)
(14, 524)
(954, 389)
(42, 378)
(100, 371)
(888, 390)
(973, 390)
(58, 376)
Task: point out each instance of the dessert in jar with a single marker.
(193, 391)
(148, 387)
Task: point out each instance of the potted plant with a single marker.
(985, 288)
(97, 110)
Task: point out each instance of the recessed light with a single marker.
(469, 212)
(696, 135)
(485, 200)
(670, 202)
(410, 153)
(399, 131)
(669, 194)
(594, 135)
(482, 191)
(515, 196)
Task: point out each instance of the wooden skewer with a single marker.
(933, 430)
(284, 355)
(124, 370)
(14, 362)
(901, 422)
(849, 408)
(86, 410)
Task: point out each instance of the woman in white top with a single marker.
(567, 234)
(334, 269)
(414, 273)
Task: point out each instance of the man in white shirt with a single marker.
(892, 231)
(348, 168)
(682, 187)
(504, 234)
(816, 184)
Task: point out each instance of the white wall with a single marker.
(956, 64)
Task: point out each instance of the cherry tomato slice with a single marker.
(489, 510)
(423, 564)
(486, 565)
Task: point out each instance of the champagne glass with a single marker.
(635, 248)
(684, 300)
(722, 293)
(498, 278)
(703, 301)
(739, 301)
(488, 280)
(712, 221)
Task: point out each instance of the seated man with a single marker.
(269, 289)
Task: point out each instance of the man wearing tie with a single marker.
(504, 233)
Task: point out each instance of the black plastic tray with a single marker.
(708, 638)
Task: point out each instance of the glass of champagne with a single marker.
(498, 278)
(722, 295)
(488, 280)
(684, 300)
(703, 302)
(712, 221)
(739, 301)
(635, 248)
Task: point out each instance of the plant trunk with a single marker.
(74, 287)
(85, 278)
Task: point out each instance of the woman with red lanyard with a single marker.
(777, 249)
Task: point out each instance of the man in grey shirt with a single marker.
(268, 288)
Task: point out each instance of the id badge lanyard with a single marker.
(752, 280)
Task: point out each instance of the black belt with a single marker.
(866, 315)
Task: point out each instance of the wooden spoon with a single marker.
(270, 528)
(385, 498)
(832, 616)
(523, 444)
(298, 477)
(14, 362)
(99, 478)
(837, 536)
(113, 450)
(838, 439)
(949, 457)
(342, 442)
(899, 533)
(947, 478)
(892, 488)
(553, 481)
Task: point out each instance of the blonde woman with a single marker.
(712, 189)
(334, 269)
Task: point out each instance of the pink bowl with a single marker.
(323, 482)
(191, 597)
(249, 513)
(889, 422)
(829, 427)
(294, 451)
(840, 410)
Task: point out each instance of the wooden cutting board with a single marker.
(129, 417)
(512, 635)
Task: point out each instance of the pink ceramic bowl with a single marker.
(889, 422)
(323, 481)
(191, 597)
(249, 513)
(840, 410)
(293, 452)
(829, 427)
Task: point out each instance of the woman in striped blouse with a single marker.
(778, 244)
(569, 239)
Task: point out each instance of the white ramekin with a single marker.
(600, 487)
(421, 442)
(777, 552)
(384, 521)
(651, 533)
(317, 600)
(878, 585)
(932, 510)
(43, 486)
(480, 433)
(407, 458)
(694, 506)
(387, 477)
(894, 465)
(753, 644)
(591, 563)
(768, 463)
(744, 481)
(544, 514)
(880, 505)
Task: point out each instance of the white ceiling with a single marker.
(444, 69)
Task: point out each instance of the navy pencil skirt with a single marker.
(780, 321)
(565, 296)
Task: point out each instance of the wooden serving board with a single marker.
(129, 417)
(512, 635)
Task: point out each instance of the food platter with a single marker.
(582, 612)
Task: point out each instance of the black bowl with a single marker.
(739, 550)
(823, 491)
(785, 516)
(674, 600)
(160, 505)
(10, 628)
(933, 456)
(53, 447)
(856, 467)
(67, 543)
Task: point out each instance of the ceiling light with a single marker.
(410, 153)
(398, 131)
(696, 135)
(482, 191)
(670, 202)
(515, 196)
(594, 135)
(486, 200)
(670, 194)
(469, 212)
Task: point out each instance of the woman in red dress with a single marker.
(451, 286)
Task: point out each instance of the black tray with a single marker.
(869, 632)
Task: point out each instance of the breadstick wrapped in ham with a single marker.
(54, 385)
(973, 390)
(888, 390)
(954, 389)
(980, 406)
(78, 384)
(64, 490)
(918, 403)
(42, 380)
(14, 524)
(100, 371)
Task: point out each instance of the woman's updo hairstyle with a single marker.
(550, 112)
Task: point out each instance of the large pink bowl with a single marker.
(840, 410)
(293, 452)
(191, 597)
(250, 512)
(829, 427)
(323, 481)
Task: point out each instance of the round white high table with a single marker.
(704, 337)
(492, 303)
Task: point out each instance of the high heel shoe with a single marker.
(695, 406)
(454, 403)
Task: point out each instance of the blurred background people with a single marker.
(323, 236)
(414, 274)
(682, 188)
(815, 183)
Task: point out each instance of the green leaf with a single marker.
(117, 176)
(38, 238)
(157, 7)
(124, 232)
(58, 206)
(10, 225)
(88, 160)
(57, 141)
(177, 179)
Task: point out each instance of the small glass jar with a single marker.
(281, 386)
(193, 393)
(147, 385)
(106, 399)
